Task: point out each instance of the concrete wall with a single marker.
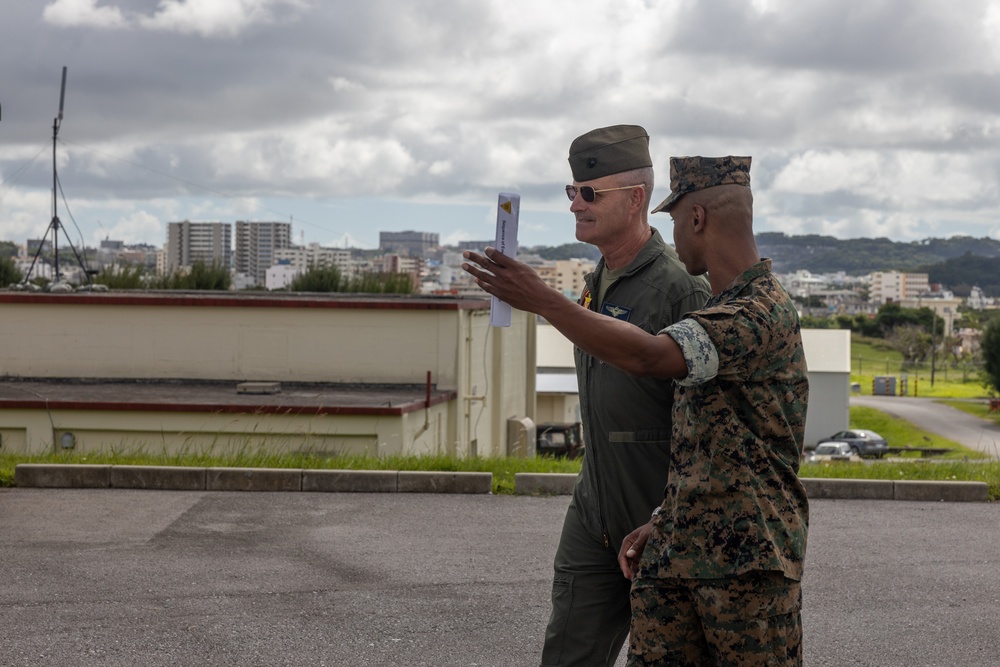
(828, 356)
(25, 431)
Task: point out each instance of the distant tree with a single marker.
(330, 279)
(567, 251)
(8, 249)
(911, 341)
(844, 322)
(811, 322)
(9, 273)
(122, 276)
(202, 276)
(318, 279)
(990, 344)
(892, 315)
(382, 283)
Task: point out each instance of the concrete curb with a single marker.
(253, 479)
(415, 481)
(165, 477)
(66, 476)
(841, 489)
(536, 483)
(350, 481)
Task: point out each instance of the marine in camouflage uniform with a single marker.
(716, 574)
(626, 424)
(718, 582)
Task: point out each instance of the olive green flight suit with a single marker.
(626, 429)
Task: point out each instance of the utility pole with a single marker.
(933, 344)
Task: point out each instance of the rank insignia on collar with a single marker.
(617, 312)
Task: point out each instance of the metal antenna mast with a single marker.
(55, 224)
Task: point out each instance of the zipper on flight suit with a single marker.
(597, 477)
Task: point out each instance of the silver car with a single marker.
(862, 442)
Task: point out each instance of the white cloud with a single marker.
(208, 18)
(991, 30)
(83, 13)
(876, 118)
(24, 214)
(906, 180)
(137, 227)
(214, 17)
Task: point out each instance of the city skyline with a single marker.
(345, 120)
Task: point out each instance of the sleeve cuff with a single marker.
(699, 351)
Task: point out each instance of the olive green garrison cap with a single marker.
(609, 150)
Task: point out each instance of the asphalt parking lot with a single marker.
(121, 577)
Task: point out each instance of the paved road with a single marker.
(938, 418)
(164, 578)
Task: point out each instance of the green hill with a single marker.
(958, 263)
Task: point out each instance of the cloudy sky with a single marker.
(865, 118)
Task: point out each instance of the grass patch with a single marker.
(503, 469)
(871, 357)
(979, 409)
(919, 469)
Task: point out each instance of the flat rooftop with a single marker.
(204, 396)
(252, 299)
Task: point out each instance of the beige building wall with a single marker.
(558, 408)
(24, 431)
(229, 337)
(571, 273)
(895, 286)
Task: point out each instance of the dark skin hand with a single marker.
(631, 551)
(618, 343)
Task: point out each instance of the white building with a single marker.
(280, 276)
(293, 261)
(979, 301)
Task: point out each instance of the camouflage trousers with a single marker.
(749, 620)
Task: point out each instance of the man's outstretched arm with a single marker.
(618, 343)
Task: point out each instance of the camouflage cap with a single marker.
(609, 150)
(688, 174)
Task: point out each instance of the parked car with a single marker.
(861, 441)
(559, 440)
(833, 451)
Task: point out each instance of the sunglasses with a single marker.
(589, 194)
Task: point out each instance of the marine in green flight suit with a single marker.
(626, 419)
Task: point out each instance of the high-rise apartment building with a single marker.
(256, 245)
(189, 242)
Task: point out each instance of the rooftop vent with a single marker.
(258, 388)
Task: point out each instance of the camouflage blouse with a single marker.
(733, 501)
